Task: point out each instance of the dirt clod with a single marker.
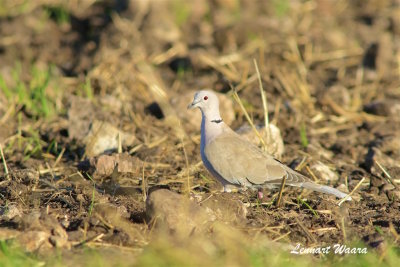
(177, 213)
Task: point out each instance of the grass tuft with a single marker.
(303, 135)
(59, 14)
(181, 11)
(11, 255)
(37, 96)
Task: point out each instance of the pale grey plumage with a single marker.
(237, 162)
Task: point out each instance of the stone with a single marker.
(104, 165)
(387, 107)
(176, 213)
(274, 143)
(225, 207)
(43, 225)
(323, 172)
(9, 212)
(34, 240)
(103, 137)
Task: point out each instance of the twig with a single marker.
(7, 115)
(268, 229)
(49, 170)
(144, 185)
(312, 173)
(278, 202)
(323, 229)
(135, 148)
(59, 157)
(280, 237)
(119, 143)
(305, 230)
(343, 228)
(351, 193)
(53, 176)
(237, 99)
(93, 195)
(4, 161)
(387, 174)
(156, 142)
(394, 232)
(91, 239)
(264, 101)
(107, 224)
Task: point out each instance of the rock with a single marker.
(323, 172)
(315, 149)
(273, 138)
(9, 212)
(104, 165)
(193, 119)
(387, 107)
(396, 194)
(65, 221)
(176, 213)
(343, 188)
(339, 94)
(376, 155)
(225, 208)
(116, 217)
(34, 240)
(6, 233)
(81, 111)
(103, 137)
(388, 187)
(30, 221)
(99, 136)
(59, 242)
(76, 236)
(113, 104)
(111, 212)
(43, 226)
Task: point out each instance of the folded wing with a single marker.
(240, 162)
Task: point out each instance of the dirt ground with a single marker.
(115, 76)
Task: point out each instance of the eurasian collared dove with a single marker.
(236, 162)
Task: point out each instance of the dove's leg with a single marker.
(260, 194)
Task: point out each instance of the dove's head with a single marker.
(206, 101)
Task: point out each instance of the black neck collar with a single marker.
(217, 121)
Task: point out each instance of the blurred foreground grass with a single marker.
(164, 253)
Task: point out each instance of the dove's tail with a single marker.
(324, 189)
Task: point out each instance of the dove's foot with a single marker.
(228, 188)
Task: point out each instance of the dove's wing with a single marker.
(240, 162)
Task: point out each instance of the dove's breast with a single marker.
(205, 139)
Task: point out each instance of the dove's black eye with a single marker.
(205, 98)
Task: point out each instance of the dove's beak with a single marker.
(192, 105)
